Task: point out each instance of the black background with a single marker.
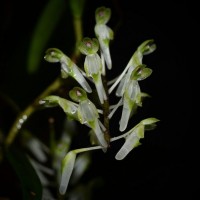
(164, 166)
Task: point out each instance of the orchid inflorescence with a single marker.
(82, 109)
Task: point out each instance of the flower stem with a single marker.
(55, 85)
(25, 114)
(87, 149)
(78, 35)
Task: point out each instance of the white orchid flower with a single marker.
(93, 65)
(66, 170)
(69, 107)
(69, 164)
(132, 137)
(104, 33)
(132, 95)
(147, 47)
(68, 67)
(88, 113)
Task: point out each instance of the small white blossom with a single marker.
(68, 67)
(88, 113)
(93, 65)
(104, 33)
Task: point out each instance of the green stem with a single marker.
(87, 149)
(24, 115)
(78, 36)
(99, 147)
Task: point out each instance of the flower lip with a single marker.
(53, 55)
(89, 46)
(102, 15)
(77, 94)
(147, 47)
(141, 72)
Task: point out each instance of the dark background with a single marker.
(164, 166)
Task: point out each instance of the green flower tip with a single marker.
(53, 55)
(102, 15)
(78, 94)
(49, 101)
(141, 73)
(149, 121)
(147, 47)
(89, 46)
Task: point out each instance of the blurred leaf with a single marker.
(43, 31)
(30, 182)
(81, 165)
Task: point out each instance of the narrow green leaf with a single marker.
(30, 182)
(43, 31)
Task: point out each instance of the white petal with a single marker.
(87, 111)
(37, 148)
(115, 108)
(106, 53)
(120, 89)
(102, 31)
(93, 64)
(124, 118)
(80, 167)
(100, 90)
(67, 168)
(122, 153)
(81, 80)
(100, 135)
(131, 142)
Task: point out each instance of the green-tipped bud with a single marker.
(89, 46)
(53, 55)
(147, 47)
(102, 15)
(150, 123)
(77, 94)
(141, 73)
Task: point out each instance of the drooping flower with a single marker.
(68, 67)
(104, 33)
(66, 171)
(88, 113)
(133, 136)
(93, 64)
(69, 107)
(132, 95)
(145, 48)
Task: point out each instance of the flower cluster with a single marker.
(82, 109)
